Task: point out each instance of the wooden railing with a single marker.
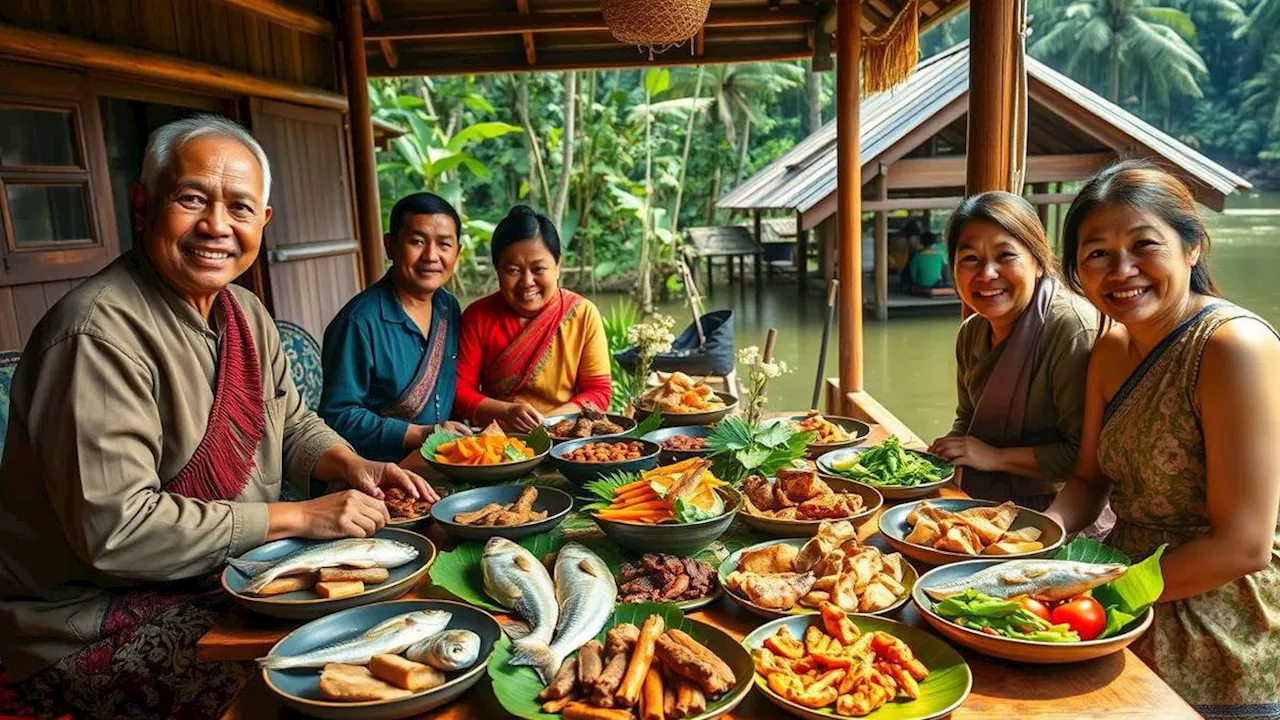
(862, 406)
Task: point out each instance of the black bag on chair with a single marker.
(715, 357)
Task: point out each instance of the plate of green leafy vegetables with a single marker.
(898, 473)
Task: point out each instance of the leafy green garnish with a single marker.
(433, 442)
(740, 449)
(510, 452)
(646, 426)
(606, 487)
(889, 464)
(1088, 550)
(978, 611)
(688, 513)
(539, 440)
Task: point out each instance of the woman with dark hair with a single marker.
(1022, 357)
(532, 348)
(1182, 413)
(390, 354)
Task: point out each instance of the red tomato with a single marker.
(1036, 607)
(1083, 614)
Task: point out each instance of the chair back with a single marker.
(8, 363)
(303, 353)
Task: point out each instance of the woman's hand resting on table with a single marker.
(519, 417)
(967, 451)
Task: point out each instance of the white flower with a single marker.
(749, 355)
(654, 336)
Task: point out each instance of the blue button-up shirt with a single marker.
(371, 353)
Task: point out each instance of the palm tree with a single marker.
(1155, 42)
(1260, 27)
(1262, 93)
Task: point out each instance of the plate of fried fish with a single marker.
(591, 422)
(510, 511)
(795, 502)
(950, 530)
(795, 576)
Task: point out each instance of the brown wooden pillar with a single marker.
(802, 254)
(849, 193)
(993, 35)
(359, 116)
(1042, 209)
(882, 247)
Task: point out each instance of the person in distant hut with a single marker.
(153, 420)
(390, 355)
(532, 348)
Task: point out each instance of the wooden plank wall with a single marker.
(22, 306)
(200, 30)
(311, 204)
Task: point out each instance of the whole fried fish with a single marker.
(585, 590)
(450, 650)
(351, 552)
(518, 581)
(389, 637)
(1046, 580)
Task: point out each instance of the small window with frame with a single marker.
(44, 179)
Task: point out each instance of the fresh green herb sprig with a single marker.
(981, 612)
(740, 449)
(890, 465)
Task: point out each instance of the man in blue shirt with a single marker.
(390, 355)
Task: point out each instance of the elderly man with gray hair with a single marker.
(153, 422)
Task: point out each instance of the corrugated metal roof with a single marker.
(806, 174)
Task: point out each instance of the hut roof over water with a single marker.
(1065, 119)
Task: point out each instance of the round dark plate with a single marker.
(672, 538)
(300, 687)
(895, 529)
(480, 474)
(709, 417)
(306, 604)
(890, 492)
(671, 457)
(627, 424)
(557, 504)
(581, 473)
(857, 430)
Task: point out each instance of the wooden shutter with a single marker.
(310, 247)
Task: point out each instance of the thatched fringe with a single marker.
(890, 57)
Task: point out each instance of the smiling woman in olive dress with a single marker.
(532, 348)
(1022, 357)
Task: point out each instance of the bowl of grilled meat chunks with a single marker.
(659, 577)
(591, 422)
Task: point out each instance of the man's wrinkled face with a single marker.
(203, 228)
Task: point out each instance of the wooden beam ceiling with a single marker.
(287, 16)
(414, 65)
(526, 38)
(388, 48)
(490, 24)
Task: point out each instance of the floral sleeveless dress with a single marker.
(1219, 650)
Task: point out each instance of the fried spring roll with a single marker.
(651, 695)
(579, 711)
(477, 517)
(368, 576)
(553, 707)
(688, 658)
(563, 683)
(621, 639)
(589, 663)
(641, 658)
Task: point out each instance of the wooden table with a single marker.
(1117, 686)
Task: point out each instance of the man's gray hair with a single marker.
(168, 139)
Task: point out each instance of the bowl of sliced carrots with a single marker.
(677, 509)
(488, 457)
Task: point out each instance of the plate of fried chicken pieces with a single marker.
(658, 577)
(795, 576)
(797, 501)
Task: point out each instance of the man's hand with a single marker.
(373, 478)
(339, 515)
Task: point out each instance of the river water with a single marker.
(910, 361)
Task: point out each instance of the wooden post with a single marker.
(882, 248)
(802, 254)
(759, 256)
(368, 208)
(849, 192)
(711, 278)
(993, 33)
(1042, 209)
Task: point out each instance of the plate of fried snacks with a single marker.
(831, 432)
(591, 422)
(304, 579)
(836, 664)
(384, 661)
(954, 529)
(795, 576)
(658, 577)
(646, 661)
(795, 503)
(898, 473)
(493, 455)
(511, 511)
(684, 401)
(406, 512)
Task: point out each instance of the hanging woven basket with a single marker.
(654, 23)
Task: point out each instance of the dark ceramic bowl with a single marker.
(672, 538)
(709, 417)
(895, 529)
(482, 474)
(307, 604)
(858, 431)
(671, 457)
(1024, 651)
(871, 502)
(300, 687)
(557, 504)
(625, 422)
(581, 473)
